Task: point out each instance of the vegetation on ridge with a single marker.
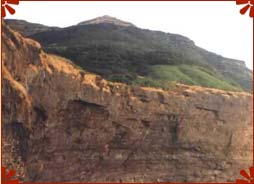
(142, 57)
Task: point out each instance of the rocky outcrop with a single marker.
(64, 124)
(106, 20)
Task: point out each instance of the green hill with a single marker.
(125, 53)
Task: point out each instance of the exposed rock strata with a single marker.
(63, 124)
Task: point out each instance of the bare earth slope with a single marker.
(63, 124)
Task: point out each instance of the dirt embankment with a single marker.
(63, 124)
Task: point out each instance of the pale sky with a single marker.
(215, 26)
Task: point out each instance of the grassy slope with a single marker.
(186, 74)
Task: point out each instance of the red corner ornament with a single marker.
(6, 6)
(6, 178)
(250, 178)
(249, 5)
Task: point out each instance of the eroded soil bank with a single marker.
(63, 124)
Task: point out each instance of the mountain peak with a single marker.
(106, 19)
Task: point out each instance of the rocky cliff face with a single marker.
(63, 124)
